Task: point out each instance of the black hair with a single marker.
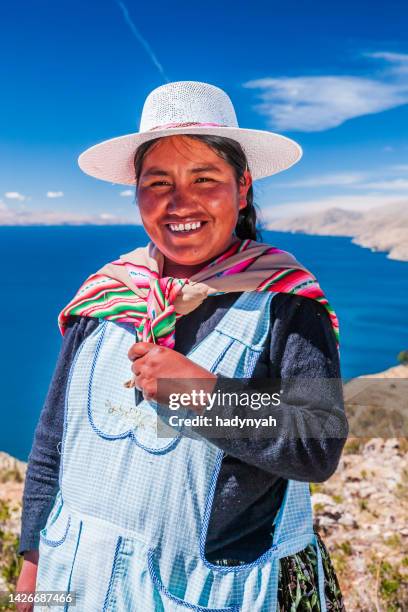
(232, 152)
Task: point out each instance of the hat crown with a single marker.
(187, 102)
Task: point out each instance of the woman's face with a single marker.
(184, 182)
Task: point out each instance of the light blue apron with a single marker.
(128, 528)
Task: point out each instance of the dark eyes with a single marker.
(201, 178)
(204, 178)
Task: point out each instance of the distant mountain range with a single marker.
(27, 217)
(383, 228)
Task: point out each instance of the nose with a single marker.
(181, 201)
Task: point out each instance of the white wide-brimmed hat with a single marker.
(189, 107)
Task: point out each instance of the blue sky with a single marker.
(332, 76)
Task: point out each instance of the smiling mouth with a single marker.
(185, 229)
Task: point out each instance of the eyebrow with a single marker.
(159, 172)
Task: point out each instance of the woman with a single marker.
(189, 518)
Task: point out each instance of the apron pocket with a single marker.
(57, 550)
(178, 603)
(56, 532)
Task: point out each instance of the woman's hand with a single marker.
(27, 579)
(152, 362)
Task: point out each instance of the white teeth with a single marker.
(183, 227)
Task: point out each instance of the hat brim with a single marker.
(267, 153)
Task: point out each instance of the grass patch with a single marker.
(363, 504)
(4, 511)
(13, 475)
(393, 541)
(392, 585)
(10, 560)
(353, 446)
(346, 548)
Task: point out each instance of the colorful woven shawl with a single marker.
(132, 289)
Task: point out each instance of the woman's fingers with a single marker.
(148, 361)
(139, 370)
(139, 349)
(137, 354)
(136, 367)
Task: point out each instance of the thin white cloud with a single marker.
(328, 180)
(15, 195)
(55, 194)
(350, 202)
(390, 56)
(368, 180)
(140, 38)
(11, 216)
(127, 193)
(398, 61)
(391, 185)
(317, 103)
(400, 167)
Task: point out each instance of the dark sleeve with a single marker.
(312, 428)
(41, 481)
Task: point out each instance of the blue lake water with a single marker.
(41, 268)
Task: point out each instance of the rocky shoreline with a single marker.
(12, 475)
(384, 228)
(361, 512)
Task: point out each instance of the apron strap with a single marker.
(320, 575)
